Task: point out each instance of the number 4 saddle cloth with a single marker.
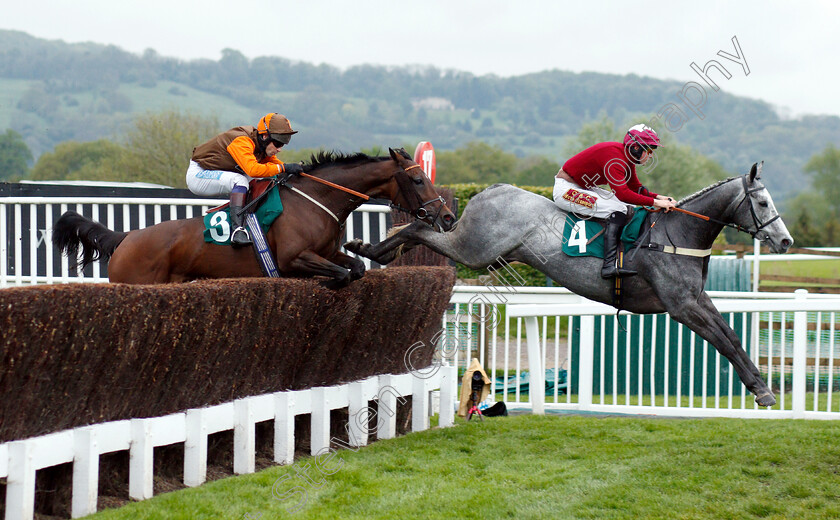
(585, 237)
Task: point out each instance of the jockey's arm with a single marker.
(659, 201)
(242, 151)
(666, 203)
(625, 185)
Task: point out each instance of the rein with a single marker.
(336, 186)
(711, 219)
(706, 252)
(419, 213)
(284, 182)
(758, 224)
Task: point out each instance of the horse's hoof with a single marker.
(354, 246)
(337, 283)
(765, 399)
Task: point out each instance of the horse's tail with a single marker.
(400, 249)
(396, 229)
(73, 232)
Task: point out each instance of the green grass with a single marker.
(496, 322)
(690, 401)
(812, 268)
(550, 467)
(11, 90)
(829, 268)
(163, 97)
(550, 322)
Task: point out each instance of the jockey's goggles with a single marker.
(281, 139)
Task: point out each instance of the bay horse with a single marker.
(305, 238)
(507, 223)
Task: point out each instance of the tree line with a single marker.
(158, 146)
(90, 91)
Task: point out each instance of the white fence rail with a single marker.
(83, 446)
(734, 404)
(28, 257)
(525, 336)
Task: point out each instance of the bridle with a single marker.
(758, 225)
(756, 220)
(419, 211)
(405, 183)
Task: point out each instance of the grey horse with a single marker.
(506, 223)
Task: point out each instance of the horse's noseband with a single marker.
(422, 212)
(756, 220)
(419, 210)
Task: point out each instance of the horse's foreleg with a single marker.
(311, 264)
(703, 318)
(389, 249)
(466, 247)
(356, 266)
(362, 249)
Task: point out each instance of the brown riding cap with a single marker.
(275, 123)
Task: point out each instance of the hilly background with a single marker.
(52, 92)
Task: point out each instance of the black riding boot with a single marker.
(612, 236)
(240, 236)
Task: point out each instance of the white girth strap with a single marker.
(687, 251)
(313, 201)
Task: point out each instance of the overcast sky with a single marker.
(790, 47)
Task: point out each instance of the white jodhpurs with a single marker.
(213, 183)
(592, 202)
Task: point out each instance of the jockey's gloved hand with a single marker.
(296, 168)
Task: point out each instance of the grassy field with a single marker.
(784, 401)
(546, 467)
(813, 268)
(829, 269)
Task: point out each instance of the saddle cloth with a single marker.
(217, 228)
(582, 238)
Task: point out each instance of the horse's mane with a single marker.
(706, 189)
(324, 159)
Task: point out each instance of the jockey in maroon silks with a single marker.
(576, 187)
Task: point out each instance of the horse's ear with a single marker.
(393, 153)
(755, 171)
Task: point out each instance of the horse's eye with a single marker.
(418, 180)
(763, 203)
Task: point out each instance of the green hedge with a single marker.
(464, 192)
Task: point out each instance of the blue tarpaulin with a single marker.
(524, 381)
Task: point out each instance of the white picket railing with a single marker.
(83, 446)
(818, 363)
(27, 255)
(687, 376)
